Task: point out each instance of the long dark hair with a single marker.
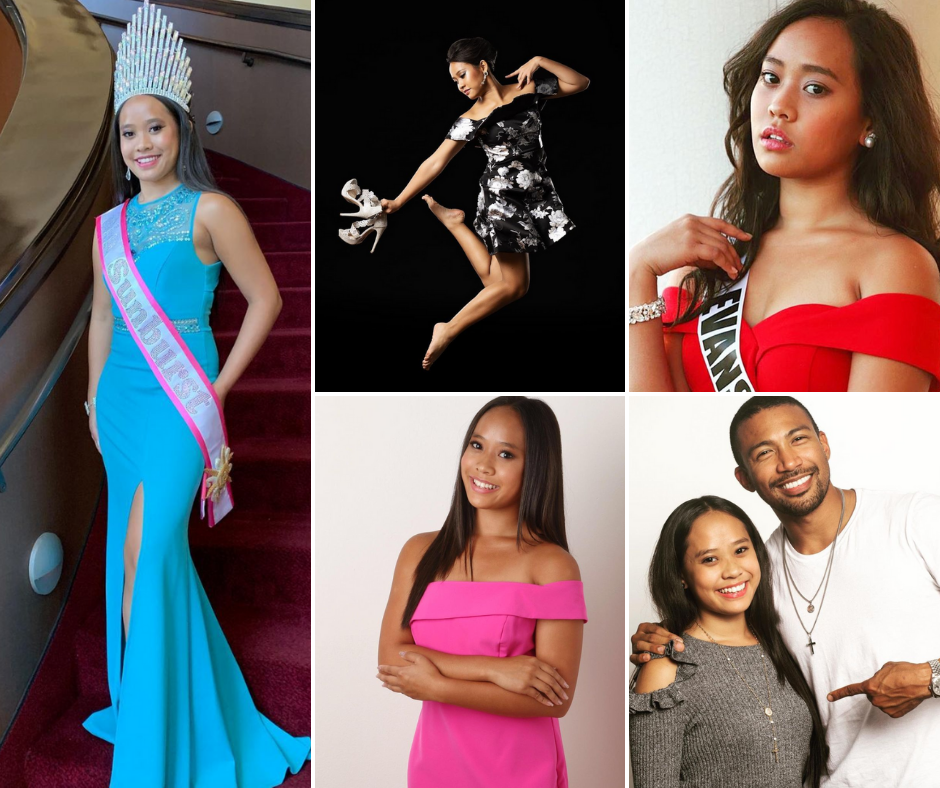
(196, 174)
(541, 504)
(472, 50)
(896, 182)
(678, 609)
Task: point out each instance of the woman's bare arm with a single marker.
(557, 642)
(99, 337)
(900, 265)
(429, 169)
(394, 638)
(471, 667)
(238, 249)
(649, 366)
(565, 74)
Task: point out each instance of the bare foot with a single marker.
(439, 341)
(450, 217)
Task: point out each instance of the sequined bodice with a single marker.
(160, 234)
(168, 218)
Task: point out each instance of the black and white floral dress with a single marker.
(518, 209)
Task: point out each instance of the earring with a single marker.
(684, 585)
(870, 139)
(485, 74)
(128, 173)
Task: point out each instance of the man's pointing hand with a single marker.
(896, 689)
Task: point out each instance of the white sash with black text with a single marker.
(719, 336)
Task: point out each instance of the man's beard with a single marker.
(803, 505)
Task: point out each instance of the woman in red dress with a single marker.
(827, 225)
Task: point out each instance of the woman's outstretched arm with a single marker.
(428, 170)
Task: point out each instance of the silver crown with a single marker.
(152, 60)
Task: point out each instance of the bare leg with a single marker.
(132, 552)
(513, 285)
(485, 264)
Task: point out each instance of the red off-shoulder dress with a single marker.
(809, 347)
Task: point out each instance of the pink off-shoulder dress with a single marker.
(464, 748)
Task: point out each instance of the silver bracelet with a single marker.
(94, 401)
(650, 311)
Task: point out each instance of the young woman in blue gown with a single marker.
(181, 713)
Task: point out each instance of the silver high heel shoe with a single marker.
(368, 206)
(377, 223)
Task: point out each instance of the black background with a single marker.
(385, 100)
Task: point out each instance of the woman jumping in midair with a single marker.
(517, 206)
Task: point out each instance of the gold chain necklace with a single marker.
(768, 709)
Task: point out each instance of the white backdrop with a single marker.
(385, 470)
(679, 449)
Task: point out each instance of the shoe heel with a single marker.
(378, 234)
(365, 212)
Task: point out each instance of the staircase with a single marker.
(255, 565)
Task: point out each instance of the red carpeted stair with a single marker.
(255, 564)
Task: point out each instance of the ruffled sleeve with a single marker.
(463, 129)
(546, 83)
(657, 739)
(668, 696)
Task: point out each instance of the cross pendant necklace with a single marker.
(824, 583)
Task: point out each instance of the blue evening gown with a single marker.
(181, 715)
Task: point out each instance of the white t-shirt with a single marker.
(882, 605)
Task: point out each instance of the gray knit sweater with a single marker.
(707, 729)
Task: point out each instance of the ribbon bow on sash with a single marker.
(220, 475)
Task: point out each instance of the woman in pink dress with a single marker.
(493, 654)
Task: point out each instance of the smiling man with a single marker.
(856, 582)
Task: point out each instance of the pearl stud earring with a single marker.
(870, 139)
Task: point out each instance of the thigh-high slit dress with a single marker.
(181, 715)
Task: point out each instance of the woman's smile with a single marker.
(735, 591)
(481, 486)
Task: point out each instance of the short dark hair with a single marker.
(754, 406)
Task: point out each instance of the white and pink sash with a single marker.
(171, 361)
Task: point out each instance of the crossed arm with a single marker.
(466, 680)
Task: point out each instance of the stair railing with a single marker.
(11, 434)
